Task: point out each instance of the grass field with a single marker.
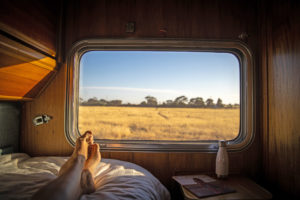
(139, 123)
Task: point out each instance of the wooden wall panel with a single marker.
(19, 80)
(209, 19)
(281, 64)
(35, 19)
(47, 139)
(28, 34)
(22, 70)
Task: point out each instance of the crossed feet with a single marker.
(85, 147)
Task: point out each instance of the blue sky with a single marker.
(130, 76)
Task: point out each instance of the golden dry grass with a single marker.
(138, 123)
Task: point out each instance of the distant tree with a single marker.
(229, 106)
(192, 102)
(209, 103)
(169, 102)
(182, 100)
(102, 102)
(220, 103)
(143, 103)
(81, 100)
(92, 101)
(151, 101)
(197, 102)
(115, 103)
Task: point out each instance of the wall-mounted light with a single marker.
(41, 119)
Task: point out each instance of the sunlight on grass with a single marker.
(175, 124)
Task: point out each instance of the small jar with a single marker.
(222, 161)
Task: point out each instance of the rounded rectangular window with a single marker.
(148, 96)
(159, 95)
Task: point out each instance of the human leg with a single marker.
(68, 184)
(71, 160)
(88, 173)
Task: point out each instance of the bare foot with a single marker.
(81, 148)
(87, 175)
(93, 159)
(82, 143)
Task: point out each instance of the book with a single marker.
(202, 185)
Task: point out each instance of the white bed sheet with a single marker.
(21, 176)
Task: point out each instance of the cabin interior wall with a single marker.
(27, 47)
(35, 19)
(38, 20)
(273, 29)
(179, 19)
(281, 74)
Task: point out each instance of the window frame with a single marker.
(237, 48)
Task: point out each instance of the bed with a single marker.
(21, 176)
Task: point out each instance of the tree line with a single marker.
(150, 101)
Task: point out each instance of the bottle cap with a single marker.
(222, 143)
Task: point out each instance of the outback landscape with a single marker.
(159, 123)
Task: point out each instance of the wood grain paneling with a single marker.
(33, 18)
(154, 19)
(208, 19)
(22, 69)
(18, 80)
(281, 64)
(47, 139)
(27, 47)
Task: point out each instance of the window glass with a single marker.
(159, 95)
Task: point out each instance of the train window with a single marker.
(159, 95)
(151, 96)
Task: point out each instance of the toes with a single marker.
(88, 136)
(87, 132)
(90, 140)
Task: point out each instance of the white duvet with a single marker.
(21, 176)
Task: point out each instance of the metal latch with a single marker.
(41, 119)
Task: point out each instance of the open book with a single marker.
(202, 185)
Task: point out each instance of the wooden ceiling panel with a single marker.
(32, 19)
(22, 70)
(11, 85)
(26, 71)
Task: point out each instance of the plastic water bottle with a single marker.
(222, 161)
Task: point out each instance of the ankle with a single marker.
(87, 182)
